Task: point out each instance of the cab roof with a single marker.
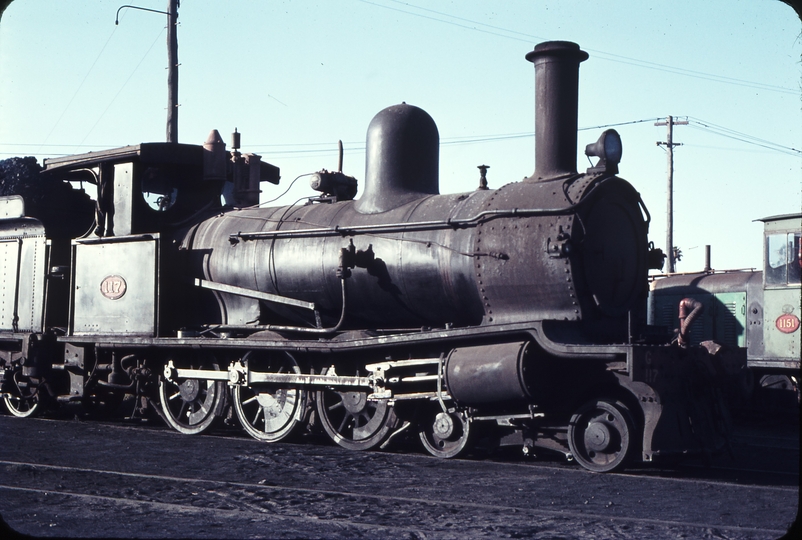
(161, 153)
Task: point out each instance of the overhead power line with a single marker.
(291, 150)
(121, 88)
(691, 73)
(479, 26)
(742, 137)
(66, 107)
(619, 124)
(452, 23)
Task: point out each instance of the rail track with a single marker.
(109, 479)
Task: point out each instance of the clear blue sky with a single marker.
(296, 76)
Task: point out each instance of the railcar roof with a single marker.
(780, 217)
(713, 282)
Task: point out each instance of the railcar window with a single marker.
(783, 259)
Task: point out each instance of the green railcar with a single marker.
(753, 314)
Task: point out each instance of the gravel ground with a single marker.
(91, 479)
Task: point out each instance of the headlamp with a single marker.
(608, 149)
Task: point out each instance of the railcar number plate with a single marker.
(787, 323)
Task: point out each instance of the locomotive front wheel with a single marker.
(352, 421)
(601, 435)
(445, 435)
(25, 401)
(191, 406)
(270, 414)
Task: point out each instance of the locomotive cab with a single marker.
(144, 193)
(781, 309)
(152, 187)
(142, 188)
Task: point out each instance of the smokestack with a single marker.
(556, 107)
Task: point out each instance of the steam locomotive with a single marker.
(515, 315)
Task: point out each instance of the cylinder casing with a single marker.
(488, 373)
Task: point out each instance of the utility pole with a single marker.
(172, 74)
(172, 63)
(670, 144)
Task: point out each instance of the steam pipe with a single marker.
(450, 223)
(689, 310)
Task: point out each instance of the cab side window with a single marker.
(158, 189)
(783, 259)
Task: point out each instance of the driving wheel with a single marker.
(191, 406)
(269, 413)
(352, 421)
